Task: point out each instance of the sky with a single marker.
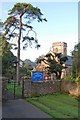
(61, 26)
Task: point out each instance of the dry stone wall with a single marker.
(40, 88)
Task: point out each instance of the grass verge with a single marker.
(57, 105)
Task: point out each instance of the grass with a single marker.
(57, 105)
(18, 88)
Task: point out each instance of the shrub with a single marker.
(70, 78)
(78, 79)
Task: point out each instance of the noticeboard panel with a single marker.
(37, 76)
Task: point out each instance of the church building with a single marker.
(57, 47)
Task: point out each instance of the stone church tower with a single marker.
(60, 47)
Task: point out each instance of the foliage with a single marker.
(39, 59)
(74, 70)
(1, 24)
(19, 20)
(78, 79)
(25, 70)
(54, 66)
(6, 46)
(6, 55)
(7, 65)
(70, 78)
(57, 66)
(76, 61)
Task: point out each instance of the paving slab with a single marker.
(20, 108)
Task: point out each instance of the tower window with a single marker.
(65, 50)
(56, 49)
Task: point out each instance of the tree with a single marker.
(62, 59)
(1, 25)
(7, 57)
(5, 54)
(54, 65)
(76, 61)
(39, 59)
(20, 18)
(25, 70)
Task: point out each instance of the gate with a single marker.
(13, 90)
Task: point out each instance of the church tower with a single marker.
(60, 47)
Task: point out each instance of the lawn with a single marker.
(57, 105)
(11, 87)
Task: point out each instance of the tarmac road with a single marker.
(19, 108)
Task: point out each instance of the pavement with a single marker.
(19, 108)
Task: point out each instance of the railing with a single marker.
(15, 88)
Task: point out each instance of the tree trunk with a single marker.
(18, 52)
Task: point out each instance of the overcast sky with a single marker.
(62, 26)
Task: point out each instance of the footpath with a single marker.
(19, 108)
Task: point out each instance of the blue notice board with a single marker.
(37, 76)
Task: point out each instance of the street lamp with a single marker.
(15, 64)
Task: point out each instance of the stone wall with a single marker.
(4, 84)
(67, 85)
(70, 87)
(40, 88)
(50, 87)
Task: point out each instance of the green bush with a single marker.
(70, 78)
(78, 79)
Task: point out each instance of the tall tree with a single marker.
(7, 57)
(76, 61)
(20, 18)
(1, 25)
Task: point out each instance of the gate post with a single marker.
(23, 87)
(14, 89)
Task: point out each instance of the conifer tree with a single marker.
(19, 21)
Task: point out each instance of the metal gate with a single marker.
(13, 90)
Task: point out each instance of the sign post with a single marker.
(37, 76)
